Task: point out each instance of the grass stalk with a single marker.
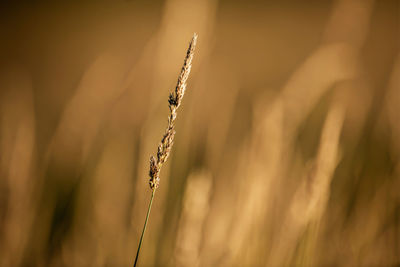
(145, 226)
(165, 146)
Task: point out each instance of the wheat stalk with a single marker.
(164, 148)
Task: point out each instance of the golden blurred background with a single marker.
(287, 150)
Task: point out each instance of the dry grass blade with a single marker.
(164, 148)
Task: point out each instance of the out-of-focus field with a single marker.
(287, 150)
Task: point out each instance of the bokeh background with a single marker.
(287, 150)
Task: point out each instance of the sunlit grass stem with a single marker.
(167, 141)
(145, 225)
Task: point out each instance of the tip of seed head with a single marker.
(194, 39)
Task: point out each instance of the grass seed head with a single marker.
(174, 101)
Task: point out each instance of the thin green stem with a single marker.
(144, 227)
